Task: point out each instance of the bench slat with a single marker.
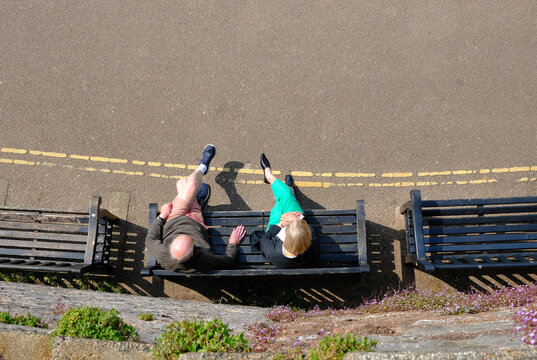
(508, 219)
(481, 247)
(43, 245)
(235, 221)
(10, 252)
(480, 238)
(44, 236)
(248, 271)
(331, 220)
(63, 228)
(480, 210)
(479, 229)
(70, 219)
(468, 202)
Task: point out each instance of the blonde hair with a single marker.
(297, 237)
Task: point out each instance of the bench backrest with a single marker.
(489, 226)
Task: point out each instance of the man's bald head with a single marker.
(182, 248)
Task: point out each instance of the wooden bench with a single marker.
(56, 240)
(470, 233)
(342, 235)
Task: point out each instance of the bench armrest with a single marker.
(417, 220)
(361, 236)
(93, 229)
(151, 261)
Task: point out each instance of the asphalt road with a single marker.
(359, 100)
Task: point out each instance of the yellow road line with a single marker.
(397, 174)
(301, 173)
(153, 164)
(14, 151)
(355, 175)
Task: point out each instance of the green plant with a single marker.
(28, 320)
(94, 323)
(197, 336)
(292, 354)
(334, 347)
(146, 317)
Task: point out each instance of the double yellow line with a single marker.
(297, 174)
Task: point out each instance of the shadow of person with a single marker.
(305, 202)
(226, 179)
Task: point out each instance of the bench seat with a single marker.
(342, 235)
(470, 233)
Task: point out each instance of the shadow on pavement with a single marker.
(483, 280)
(335, 291)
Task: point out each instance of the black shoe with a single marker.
(204, 193)
(264, 164)
(207, 156)
(289, 180)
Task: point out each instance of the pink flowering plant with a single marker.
(526, 321)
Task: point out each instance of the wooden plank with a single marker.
(468, 202)
(42, 245)
(57, 218)
(261, 272)
(231, 214)
(61, 228)
(480, 229)
(334, 229)
(226, 231)
(325, 212)
(26, 253)
(334, 219)
(510, 238)
(507, 219)
(338, 258)
(325, 248)
(42, 236)
(482, 247)
(21, 210)
(236, 221)
(479, 210)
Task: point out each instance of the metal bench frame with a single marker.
(56, 240)
(342, 235)
(470, 233)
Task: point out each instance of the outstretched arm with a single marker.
(227, 260)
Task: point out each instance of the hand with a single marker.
(165, 210)
(236, 235)
(289, 217)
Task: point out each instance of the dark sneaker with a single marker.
(204, 193)
(289, 180)
(207, 156)
(264, 164)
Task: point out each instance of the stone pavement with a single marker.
(39, 300)
(410, 336)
